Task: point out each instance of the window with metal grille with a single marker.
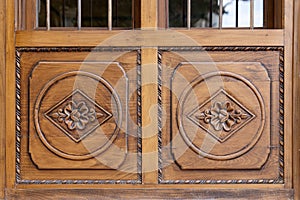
(234, 13)
(125, 14)
(85, 13)
(206, 13)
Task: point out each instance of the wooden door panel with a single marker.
(226, 113)
(80, 107)
(224, 120)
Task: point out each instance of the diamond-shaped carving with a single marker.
(77, 115)
(221, 116)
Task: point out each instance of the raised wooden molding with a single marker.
(19, 52)
(239, 116)
(220, 132)
(61, 115)
(281, 178)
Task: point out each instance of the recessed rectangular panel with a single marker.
(80, 107)
(221, 115)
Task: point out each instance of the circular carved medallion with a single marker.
(221, 123)
(77, 115)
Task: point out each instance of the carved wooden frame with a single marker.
(280, 179)
(19, 179)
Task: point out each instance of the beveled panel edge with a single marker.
(18, 53)
(280, 179)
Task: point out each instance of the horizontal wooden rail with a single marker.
(193, 37)
(151, 194)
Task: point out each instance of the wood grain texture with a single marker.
(273, 12)
(296, 122)
(2, 98)
(149, 122)
(197, 109)
(83, 114)
(204, 37)
(149, 21)
(163, 14)
(201, 37)
(279, 12)
(10, 94)
(149, 14)
(272, 170)
(148, 186)
(268, 14)
(50, 143)
(107, 194)
(288, 95)
(28, 15)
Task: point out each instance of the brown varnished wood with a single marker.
(279, 12)
(288, 85)
(163, 15)
(149, 131)
(296, 138)
(262, 162)
(136, 14)
(149, 74)
(47, 145)
(273, 14)
(149, 14)
(10, 95)
(152, 194)
(204, 37)
(261, 155)
(268, 13)
(28, 15)
(2, 96)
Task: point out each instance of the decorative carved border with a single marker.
(139, 115)
(18, 116)
(19, 179)
(280, 179)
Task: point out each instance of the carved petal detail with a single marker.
(76, 115)
(222, 116)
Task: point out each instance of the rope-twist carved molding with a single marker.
(280, 178)
(19, 179)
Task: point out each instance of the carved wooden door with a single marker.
(163, 110)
